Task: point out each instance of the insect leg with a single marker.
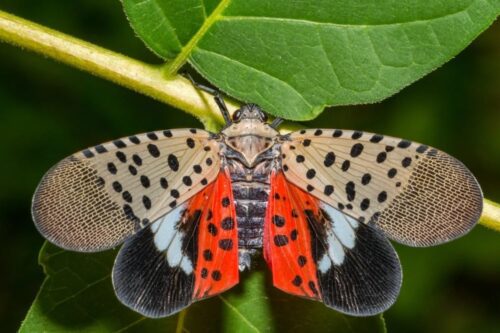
(276, 122)
(217, 97)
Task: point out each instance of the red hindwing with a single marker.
(287, 239)
(217, 258)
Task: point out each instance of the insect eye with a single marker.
(237, 115)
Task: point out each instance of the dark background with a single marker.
(48, 111)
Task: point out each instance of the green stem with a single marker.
(133, 74)
(140, 77)
(491, 215)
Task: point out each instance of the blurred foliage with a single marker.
(48, 111)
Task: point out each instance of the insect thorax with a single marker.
(250, 150)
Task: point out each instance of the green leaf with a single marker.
(296, 57)
(77, 295)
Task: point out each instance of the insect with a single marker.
(193, 208)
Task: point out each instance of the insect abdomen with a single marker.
(251, 202)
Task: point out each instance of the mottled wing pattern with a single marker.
(189, 254)
(287, 239)
(96, 198)
(417, 195)
(317, 252)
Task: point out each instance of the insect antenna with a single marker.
(217, 97)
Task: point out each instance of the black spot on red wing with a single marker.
(137, 159)
(132, 170)
(207, 255)
(365, 180)
(313, 288)
(204, 273)
(297, 281)
(329, 159)
(127, 196)
(152, 136)
(121, 156)
(227, 223)
(190, 143)
(173, 162)
(216, 275)
(406, 162)
(225, 202)
(404, 144)
(356, 149)
(209, 215)
(187, 181)
(365, 203)
(337, 133)
(392, 172)
(277, 196)
(300, 159)
(382, 196)
(376, 138)
(381, 157)
(197, 168)
(117, 186)
(112, 168)
(153, 150)
(100, 149)
(163, 183)
(87, 153)
(302, 261)
(174, 193)
(310, 173)
(294, 234)
(350, 191)
(226, 244)
(328, 190)
(278, 220)
(356, 135)
(294, 213)
(280, 240)
(345, 165)
(146, 201)
(212, 229)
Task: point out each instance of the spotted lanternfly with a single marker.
(192, 208)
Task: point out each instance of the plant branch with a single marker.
(140, 77)
(491, 215)
(133, 74)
